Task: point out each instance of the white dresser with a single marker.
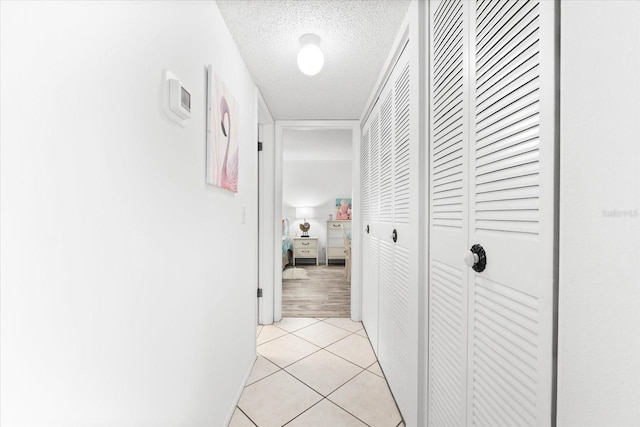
(305, 248)
(335, 239)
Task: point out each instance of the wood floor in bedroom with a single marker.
(324, 293)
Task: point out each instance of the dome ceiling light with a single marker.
(310, 56)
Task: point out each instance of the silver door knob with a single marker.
(470, 258)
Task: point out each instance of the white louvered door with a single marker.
(385, 273)
(509, 188)
(512, 213)
(391, 184)
(398, 217)
(405, 250)
(370, 195)
(449, 212)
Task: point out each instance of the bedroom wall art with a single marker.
(344, 210)
(222, 134)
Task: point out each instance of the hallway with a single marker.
(315, 372)
(492, 161)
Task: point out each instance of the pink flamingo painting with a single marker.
(229, 172)
(222, 135)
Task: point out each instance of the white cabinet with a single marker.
(335, 239)
(305, 248)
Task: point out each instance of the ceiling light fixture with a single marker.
(310, 57)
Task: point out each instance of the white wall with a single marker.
(599, 283)
(128, 292)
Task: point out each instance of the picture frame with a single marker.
(344, 209)
(222, 152)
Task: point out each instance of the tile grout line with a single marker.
(310, 324)
(354, 333)
(266, 376)
(246, 415)
(333, 403)
(329, 345)
(319, 392)
(384, 377)
(322, 348)
(326, 349)
(285, 332)
(297, 416)
(392, 396)
(344, 409)
(311, 354)
(302, 338)
(326, 397)
(362, 369)
(302, 358)
(389, 388)
(367, 369)
(272, 339)
(340, 357)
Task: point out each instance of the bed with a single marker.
(287, 244)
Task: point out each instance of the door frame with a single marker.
(265, 210)
(356, 285)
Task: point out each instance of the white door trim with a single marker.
(266, 212)
(356, 286)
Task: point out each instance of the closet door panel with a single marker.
(385, 304)
(386, 275)
(392, 242)
(370, 289)
(405, 248)
(365, 176)
(370, 255)
(511, 214)
(448, 193)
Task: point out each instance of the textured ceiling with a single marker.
(356, 38)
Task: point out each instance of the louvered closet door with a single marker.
(404, 318)
(386, 248)
(370, 243)
(512, 213)
(448, 183)
(491, 332)
(398, 281)
(391, 183)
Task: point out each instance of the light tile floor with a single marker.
(316, 373)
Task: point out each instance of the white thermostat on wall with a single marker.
(179, 99)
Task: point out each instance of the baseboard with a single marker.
(239, 392)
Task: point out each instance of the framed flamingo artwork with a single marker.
(222, 135)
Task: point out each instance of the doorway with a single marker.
(316, 189)
(282, 129)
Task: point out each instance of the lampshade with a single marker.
(304, 212)
(310, 56)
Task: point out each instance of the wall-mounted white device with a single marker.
(179, 99)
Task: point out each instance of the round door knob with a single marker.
(470, 258)
(476, 258)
